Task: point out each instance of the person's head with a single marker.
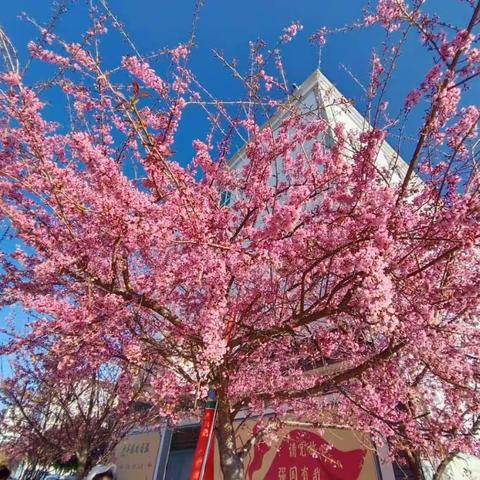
(103, 472)
(4, 472)
(104, 476)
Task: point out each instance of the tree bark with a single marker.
(415, 465)
(230, 460)
(82, 466)
(438, 475)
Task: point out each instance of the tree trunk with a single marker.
(438, 475)
(230, 460)
(82, 466)
(415, 465)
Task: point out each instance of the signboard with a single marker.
(303, 453)
(137, 455)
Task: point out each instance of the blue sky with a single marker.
(229, 25)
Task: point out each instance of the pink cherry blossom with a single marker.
(291, 31)
(315, 246)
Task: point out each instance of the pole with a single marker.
(200, 457)
(205, 438)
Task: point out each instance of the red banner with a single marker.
(304, 455)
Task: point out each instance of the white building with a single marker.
(317, 97)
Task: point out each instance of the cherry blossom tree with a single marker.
(125, 252)
(75, 421)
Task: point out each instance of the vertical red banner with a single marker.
(204, 449)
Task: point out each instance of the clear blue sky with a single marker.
(224, 25)
(229, 25)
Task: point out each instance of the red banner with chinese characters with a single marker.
(302, 453)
